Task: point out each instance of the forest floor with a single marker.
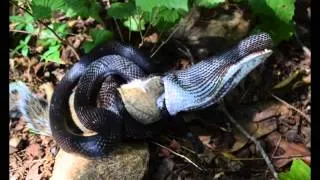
(279, 117)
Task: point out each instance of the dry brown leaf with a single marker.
(33, 150)
(289, 150)
(33, 173)
(153, 38)
(248, 114)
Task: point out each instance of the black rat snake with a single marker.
(100, 108)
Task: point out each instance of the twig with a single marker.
(274, 157)
(108, 5)
(50, 29)
(118, 29)
(253, 139)
(187, 53)
(179, 155)
(292, 107)
(20, 31)
(290, 156)
(164, 42)
(276, 148)
(139, 27)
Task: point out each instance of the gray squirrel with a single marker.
(33, 109)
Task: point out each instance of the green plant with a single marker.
(298, 171)
(273, 16)
(160, 14)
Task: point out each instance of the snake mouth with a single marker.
(253, 59)
(236, 72)
(261, 52)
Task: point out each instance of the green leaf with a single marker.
(148, 5)
(52, 54)
(23, 22)
(99, 36)
(298, 171)
(43, 9)
(59, 28)
(282, 9)
(70, 13)
(85, 8)
(25, 51)
(29, 28)
(16, 19)
(23, 46)
(274, 17)
(163, 18)
(209, 3)
(278, 30)
(134, 24)
(27, 39)
(122, 10)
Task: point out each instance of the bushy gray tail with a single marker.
(33, 109)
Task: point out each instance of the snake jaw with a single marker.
(237, 71)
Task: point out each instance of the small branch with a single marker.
(187, 53)
(20, 31)
(115, 22)
(253, 139)
(292, 107)
(118, 29)
(290, 156)
(50, 29)
(164, 42)
(179, 155)
(276, 148)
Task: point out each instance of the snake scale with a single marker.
(98, 104)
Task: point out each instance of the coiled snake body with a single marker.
(112, 64)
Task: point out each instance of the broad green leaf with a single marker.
(52, 54)
(17, 19)
(69, 12)
(99, 36)
(43, 9)
(26, 18)
(59, 28)
(274, 17)
(148, 5)
(25, 51)
(163, 18)
(122, 10)
(23, 46)
(134, 24)
(29, 28)
(168, 15)
(23, 22)
(209, 3)
(85, 8)
(278, 30)
(27, 39)
(282, 9)
(298, 171)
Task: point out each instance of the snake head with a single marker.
(238, 71)
(207, 82)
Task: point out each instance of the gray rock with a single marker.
(126, 162)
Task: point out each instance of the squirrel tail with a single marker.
(33, 109)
